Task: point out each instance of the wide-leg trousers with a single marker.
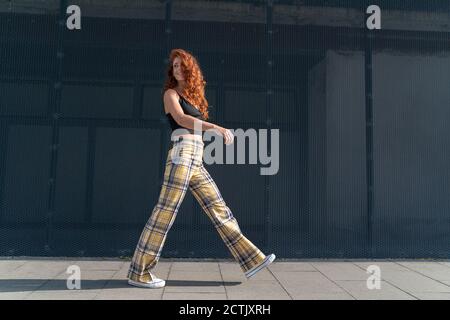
(184, 170)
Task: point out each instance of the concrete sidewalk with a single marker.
(46, 278)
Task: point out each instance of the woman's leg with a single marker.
(208, 195)
(151, 241)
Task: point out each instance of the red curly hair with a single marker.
(194, 90)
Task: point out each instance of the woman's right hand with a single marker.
(227, 135)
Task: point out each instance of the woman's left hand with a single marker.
(228, 136)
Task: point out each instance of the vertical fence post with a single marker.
(55, 115)
(269, 95)
(369, 130)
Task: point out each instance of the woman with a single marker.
(186, 108)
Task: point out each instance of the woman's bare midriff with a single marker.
(190, 135)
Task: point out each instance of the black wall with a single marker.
(363, 118)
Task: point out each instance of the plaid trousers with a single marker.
(184, 169)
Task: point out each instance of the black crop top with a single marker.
(187, 109)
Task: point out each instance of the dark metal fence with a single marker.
(363, 118)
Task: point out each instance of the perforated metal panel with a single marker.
(362, 114)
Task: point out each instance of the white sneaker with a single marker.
(153, 284)
(268, 260)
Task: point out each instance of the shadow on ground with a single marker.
(61, 284)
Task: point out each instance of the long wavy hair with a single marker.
(194, 90)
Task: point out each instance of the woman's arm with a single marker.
(173, 106)
(189, 122)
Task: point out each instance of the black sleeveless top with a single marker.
(187, 109)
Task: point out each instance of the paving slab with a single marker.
(194, 296)
(291, 266)
(120, 290)
(194, 281)
(196, 267)
(413, 282)
(14, 295)
(340, 270)
(432, 296)
(259, 290)
(101, 279)
(322, 296)
(301, 283)
(63, 295)
(433, 270)
(360, 291)
(385, 266)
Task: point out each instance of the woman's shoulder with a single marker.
(171, 91)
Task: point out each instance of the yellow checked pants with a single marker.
(184, 169)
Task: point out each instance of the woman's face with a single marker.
(177, 71)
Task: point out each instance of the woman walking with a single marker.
(186, 109)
